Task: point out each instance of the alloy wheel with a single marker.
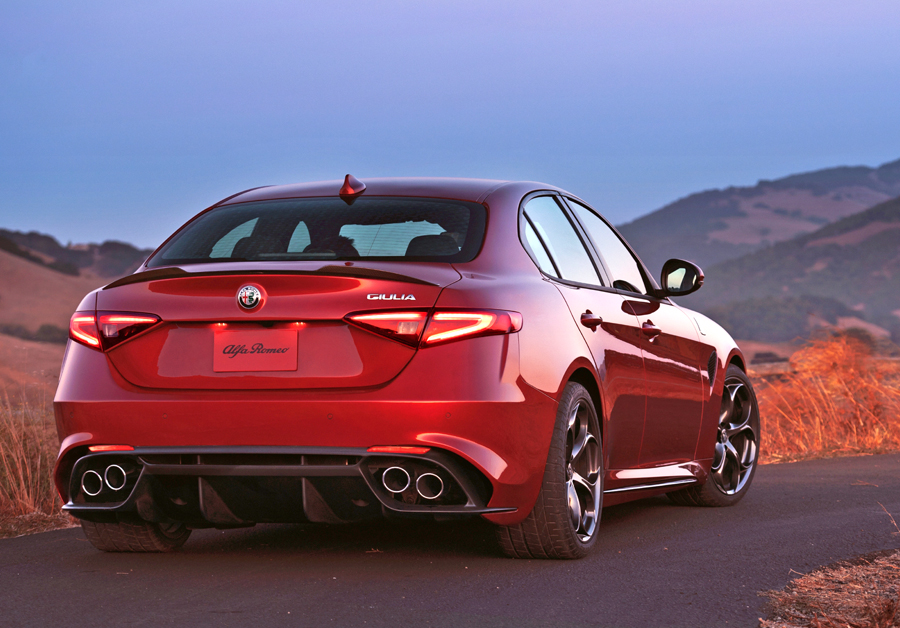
(583, 464)
(737, 445)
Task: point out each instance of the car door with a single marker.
(670, 348)
(609, 327)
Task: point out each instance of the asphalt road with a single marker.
(656, 565)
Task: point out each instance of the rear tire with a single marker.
(564, 521)
(736, 451)
(135, 536)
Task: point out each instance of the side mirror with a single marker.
(679, 278)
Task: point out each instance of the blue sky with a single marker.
(122, 119)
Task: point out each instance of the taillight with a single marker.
(405, 327)
(117, 327)
(83, 329)
(448, 326)
(418, 328)
(105, 330)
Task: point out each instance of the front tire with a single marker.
(563, 523)
(737, 447)
(135, 536)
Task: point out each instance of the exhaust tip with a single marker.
(395, 479)
(91, 483)
(429, 486)
(115, 477)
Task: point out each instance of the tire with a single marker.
(574, 470)
(135, 536)
(736, 450)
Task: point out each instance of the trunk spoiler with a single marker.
(331, 271)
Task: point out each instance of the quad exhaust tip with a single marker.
(395, 479)
(115, 477)
(429, 486)
(91, 483)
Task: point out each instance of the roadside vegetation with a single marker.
(28, 446)
(837, 396)
(859, 593)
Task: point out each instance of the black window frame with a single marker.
(650, 284)
(602, 274)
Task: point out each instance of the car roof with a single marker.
(432, 187)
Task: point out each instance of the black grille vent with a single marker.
(711, 367)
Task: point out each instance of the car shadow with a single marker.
(470, 537)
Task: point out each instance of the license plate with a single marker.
(255, 350)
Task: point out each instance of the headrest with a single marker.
(431, 246)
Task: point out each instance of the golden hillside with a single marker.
(32, 295)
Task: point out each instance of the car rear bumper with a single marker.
(227, 486)
(488, 421)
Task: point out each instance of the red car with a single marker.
(331, 352)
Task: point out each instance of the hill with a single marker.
(108, 259)
(718, 225)
(849, 269)
(33, 296)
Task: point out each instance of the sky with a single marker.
(121, 120)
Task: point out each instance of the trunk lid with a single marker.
(295, 339)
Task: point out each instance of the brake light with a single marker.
(83, 329)
(117, 327)
(449, 326)
(405, 327)
(442, 326)
(107, 329)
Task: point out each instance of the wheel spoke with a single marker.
(587, 498)
(579, 440)
(574, 505)
(587, 460)
(574, 416)
(727, 411)
(579, 479)
(719, 458)
(732, 453)
(745, 427)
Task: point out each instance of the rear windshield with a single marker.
(407, 229)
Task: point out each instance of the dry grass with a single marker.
(28, 445)
(837, 398)
(861, 593)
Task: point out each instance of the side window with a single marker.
(623, 268)
(562, 242)
(543, 260)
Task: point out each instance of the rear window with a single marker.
(399, 229)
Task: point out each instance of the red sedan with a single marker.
(331, 352)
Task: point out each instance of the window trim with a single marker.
(649, 283)
(530, 223)
(602, 275)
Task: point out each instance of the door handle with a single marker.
(590, 320)
(650, 330)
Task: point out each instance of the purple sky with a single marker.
(123, 119)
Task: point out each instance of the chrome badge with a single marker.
(249, 297)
